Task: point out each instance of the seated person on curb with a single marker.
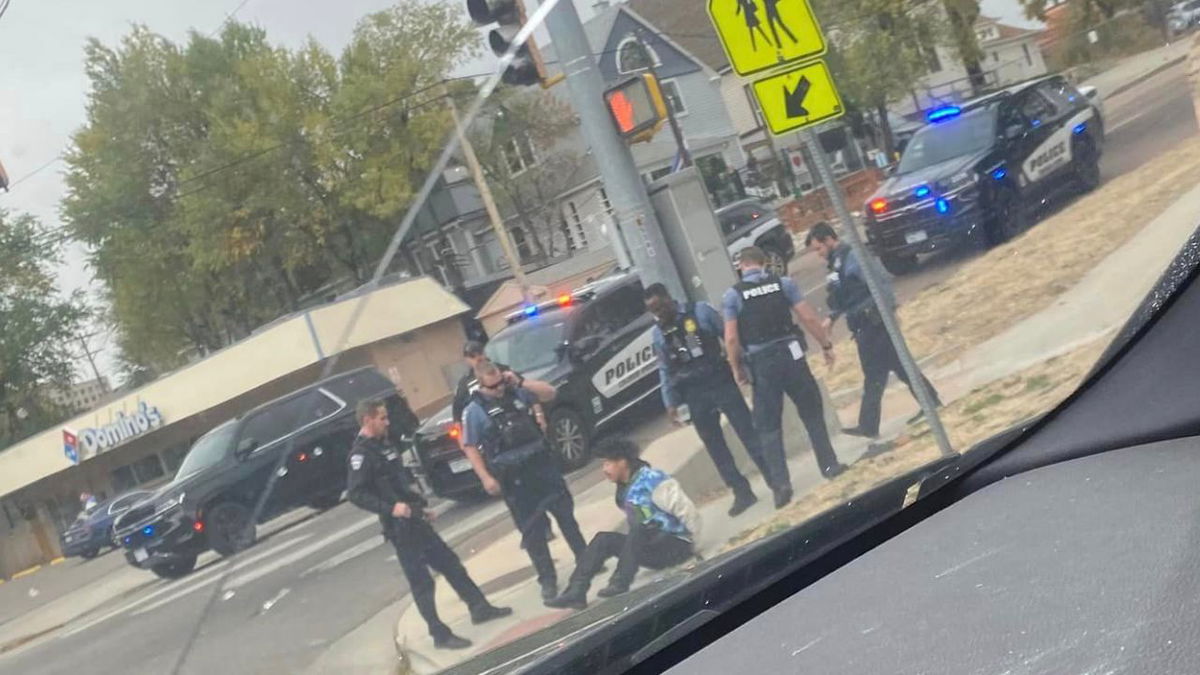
(663, 525)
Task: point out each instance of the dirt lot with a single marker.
(980, 414)
(1025, 275)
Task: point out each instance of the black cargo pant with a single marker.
(419, 548)
(776, 372)
(530, 492)
(642, 547)
(706, 400)
(879, 359)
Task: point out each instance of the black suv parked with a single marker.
(292, 449)
(981, 169)
(593, 344)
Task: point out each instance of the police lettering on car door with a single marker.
(628, 366)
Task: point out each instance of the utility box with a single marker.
(693, 236)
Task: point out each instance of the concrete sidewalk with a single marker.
(1132, 70)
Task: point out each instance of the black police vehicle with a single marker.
(593, 344)
(980, 169)
(293, 449)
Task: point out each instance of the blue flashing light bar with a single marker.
(1080, 128)
(922, 192)
(943, 113)
(999, 173)
(148, 530)
(531, 310)
(942, 205)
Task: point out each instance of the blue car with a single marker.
(92, 529)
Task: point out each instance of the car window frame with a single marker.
(274, 409)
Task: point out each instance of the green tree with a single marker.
(37, 326)
(880, 49)
(222, 182)
(528, 167)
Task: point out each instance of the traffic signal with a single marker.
(637, 107)
(509, 15)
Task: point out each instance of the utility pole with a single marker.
(92, 361)
(637, 223)
(850, 229)
(489, 204)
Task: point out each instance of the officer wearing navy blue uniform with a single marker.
(849, 296)
(379, 483)
(503, 438)
(693, 371)
(759, 328)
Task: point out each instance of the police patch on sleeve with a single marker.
(356, 462)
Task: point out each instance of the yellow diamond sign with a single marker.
(797, 98)
(762, 34)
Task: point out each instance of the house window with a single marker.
(633, 56)
(670, 90)
(576, 235)
(1028, 56)
(608, 209)
(522, 243)
(518, 153)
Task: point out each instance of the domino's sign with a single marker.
(123, 428)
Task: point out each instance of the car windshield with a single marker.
(212, 447)
(530, 345)
(941, 141)
(216, 211)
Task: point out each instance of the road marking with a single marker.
(57, 560)
(26, 572)
(299, 554)
(345, 556)
(1113, 129)
(184, 586)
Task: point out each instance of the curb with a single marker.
(1143, 76)
(26, 572)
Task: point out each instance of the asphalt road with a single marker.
(302, 588)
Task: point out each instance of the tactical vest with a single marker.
(513, 437)
(766, 314)
(850, 293)
(639, 498)
(692, 354)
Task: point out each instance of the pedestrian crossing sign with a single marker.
(762, 34)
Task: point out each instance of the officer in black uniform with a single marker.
(758, 320)
(849, 296)
(504, 439)
(693, 372)
(378, 483)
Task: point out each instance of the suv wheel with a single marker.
(326, 501)
(177, 569)
(1087, 170)
(1010, 218)
(569, 438)
(230, 528)
(89, 553)
(898, 265)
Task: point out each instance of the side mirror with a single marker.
(586, 346)
(1013, 132)
(245, 447)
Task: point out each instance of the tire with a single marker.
(1087, 170)
(89, 554)
(1009, 220)
(776, 263)
(569, 438)
(230, 528)
(177, 569)
(326, 501)
(899, 265)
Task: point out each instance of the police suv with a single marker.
(593, 344)
(981, 168)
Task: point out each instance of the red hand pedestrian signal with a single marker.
(622, 111)
(637, 107)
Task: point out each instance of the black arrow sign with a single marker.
(793, 101)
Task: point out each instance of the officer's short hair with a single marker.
(486, 367)
(617, 447)
(820, 232)
(473, 348)
(656, 290)
(367, 408)
(753, 255)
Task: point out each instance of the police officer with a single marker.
(378, 483)
(504, 439)
(693, 372)
(849, 296)
(473, 355)
(758, 323)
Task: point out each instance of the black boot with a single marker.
(835, 471)
(741, 501)
(783, 497)
(450, 641)
(575, 597)
(615, 587)
(487, 612)
(859, 431)
(549, 590)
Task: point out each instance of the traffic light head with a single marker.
(509, 16)
(637, 107)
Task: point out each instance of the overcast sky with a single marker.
(43, 88)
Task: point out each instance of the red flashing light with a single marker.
(198, 526)
(455, 431)
(302, 457)
(564, 299)
(879, 205)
